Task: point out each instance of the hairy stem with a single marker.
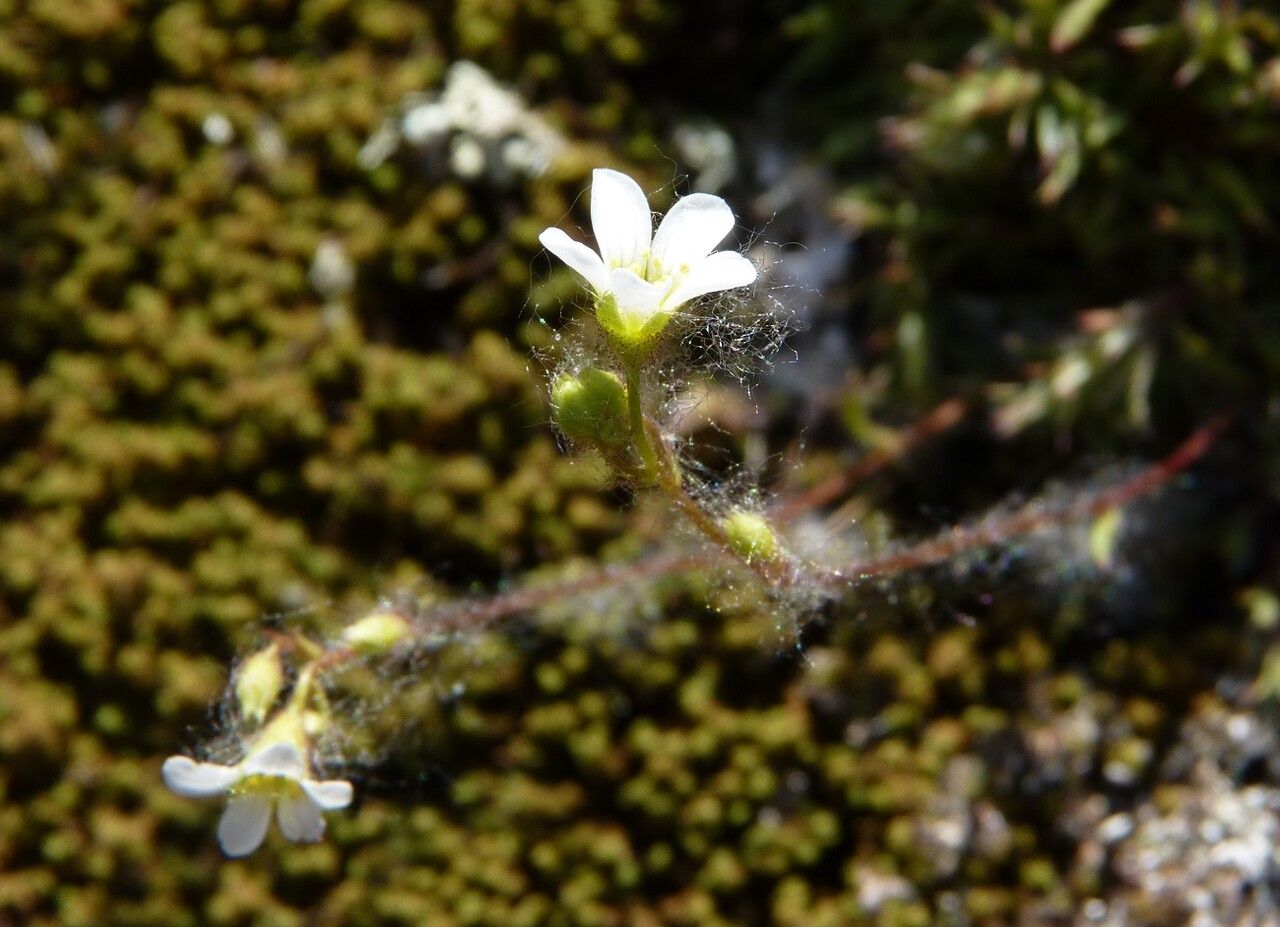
(640, 434)
(774, 570)
(1033, 518)
(663, 470)
(484, 612)
(479, 613)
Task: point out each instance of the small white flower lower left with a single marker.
(274, 776)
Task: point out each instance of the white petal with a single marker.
(197, 780)
(690, 231)
(724, 270)
(620, 218)
(638, 300)
(331, 794)
(300, 819)
(578, 256)
(244, 823)
(278, 759)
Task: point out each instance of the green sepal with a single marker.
(630, 338)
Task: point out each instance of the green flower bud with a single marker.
(591, 406)
(750, 535)
(1103, 534)
(314, 723)
(377, 632)
(258, 684)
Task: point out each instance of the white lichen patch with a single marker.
(473, 126)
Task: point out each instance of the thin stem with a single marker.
(664, 471)
(639, 434)
(480, 613)
(485, 612)
(939, 420)
(476, 614)
(961, 540)
(302, 688)
(774, 570)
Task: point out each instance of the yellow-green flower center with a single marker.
(265, 784)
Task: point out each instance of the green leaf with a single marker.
(1074, 22)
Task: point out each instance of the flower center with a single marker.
(275, 786)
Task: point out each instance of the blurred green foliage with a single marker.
(1015, 164)
(193, 437)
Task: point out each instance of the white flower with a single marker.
(640, 276)
(276, 775)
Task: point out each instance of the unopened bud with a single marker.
(314, 723)
(1103, 535)
(750, 535)
(258, 684)
(591, 406)
(377, 632)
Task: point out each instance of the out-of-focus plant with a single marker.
(1039, 160)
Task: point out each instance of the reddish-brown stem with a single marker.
(484, 612)
(480, 613)
(940, 419)
(477, 614)
(976, 537)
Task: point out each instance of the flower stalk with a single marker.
(639, 433)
